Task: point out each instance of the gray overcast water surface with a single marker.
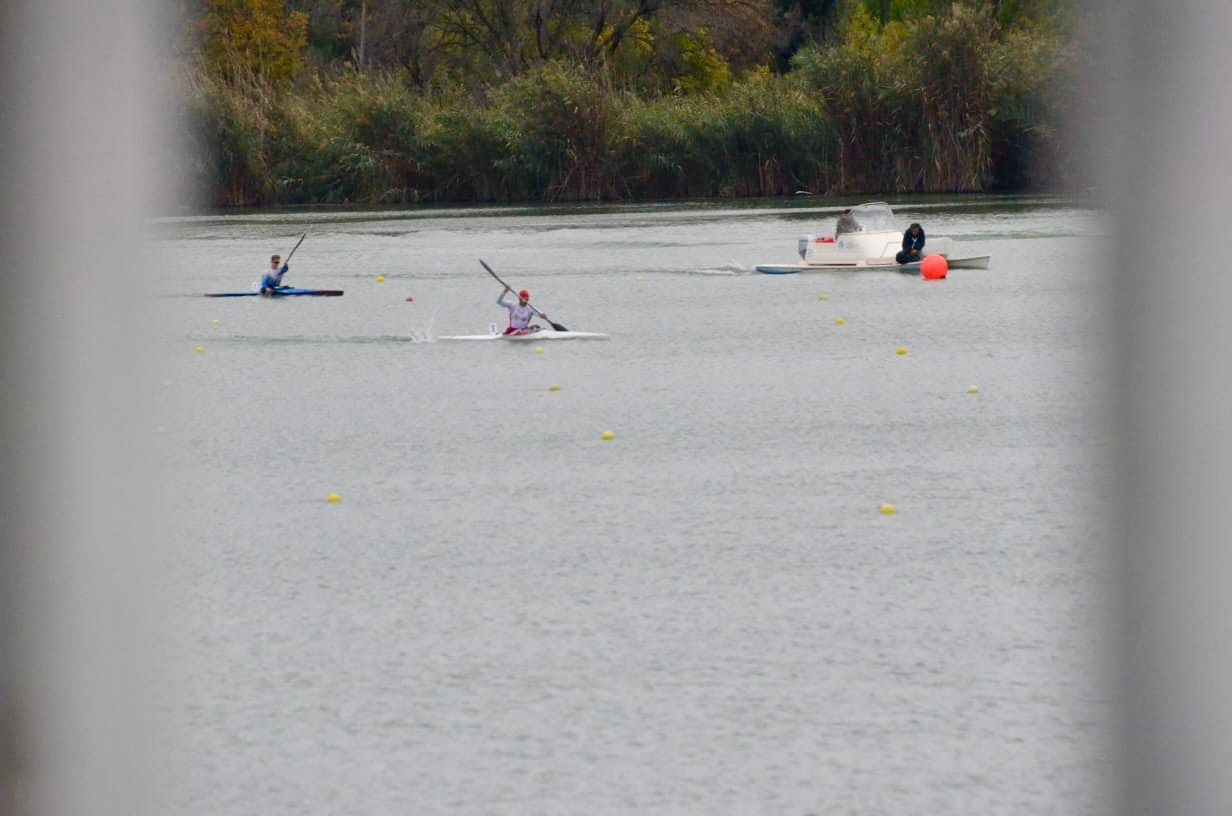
(708, 614)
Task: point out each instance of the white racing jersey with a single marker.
(519, 315)
(271, 277)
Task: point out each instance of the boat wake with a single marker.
(729, 268)
(324, 339)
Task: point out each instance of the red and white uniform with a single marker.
(519, 315)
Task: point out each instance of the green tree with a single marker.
(261, 38)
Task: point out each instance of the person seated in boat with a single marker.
(846, 223)
(520, 313)
(913, 245)
(272, 277)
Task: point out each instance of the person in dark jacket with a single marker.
(913, 245)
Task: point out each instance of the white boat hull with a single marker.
(965, 262)
(546, 334)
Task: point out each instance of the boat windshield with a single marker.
(875, 217)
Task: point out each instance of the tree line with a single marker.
(396, 101)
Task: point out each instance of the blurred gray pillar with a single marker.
(77, 143)
(1171, 181)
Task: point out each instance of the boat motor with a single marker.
(802, 245)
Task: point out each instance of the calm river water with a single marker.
(708, 614)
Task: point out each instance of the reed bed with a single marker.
(944, 103)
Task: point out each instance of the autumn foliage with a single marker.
(511, 100)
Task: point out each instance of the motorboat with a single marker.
(869, 239)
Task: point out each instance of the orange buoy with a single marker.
(934, 267)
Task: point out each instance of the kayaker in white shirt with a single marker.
(520, 313)
(271, 279)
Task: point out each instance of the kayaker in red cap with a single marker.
(520, 313)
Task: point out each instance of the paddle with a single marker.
(297, 243)
(555, 326)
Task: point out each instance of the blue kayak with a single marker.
(285, 291)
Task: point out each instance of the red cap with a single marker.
(524, 295)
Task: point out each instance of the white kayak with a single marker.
(544, 334)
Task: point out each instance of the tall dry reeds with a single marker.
(912, 106)
(226, 125)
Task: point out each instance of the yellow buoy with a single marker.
(823, 296)
(607, 436)
(973, 389)
(380, 278)
(838, 321)
(199, 349)
(900, 351)
(333, 498)
(888, 509)
(538, 349)
(160, 429)
(640, 279)
(553, 387)
(166, 383)
(216, 321)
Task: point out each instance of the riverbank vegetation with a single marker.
(396, 101)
